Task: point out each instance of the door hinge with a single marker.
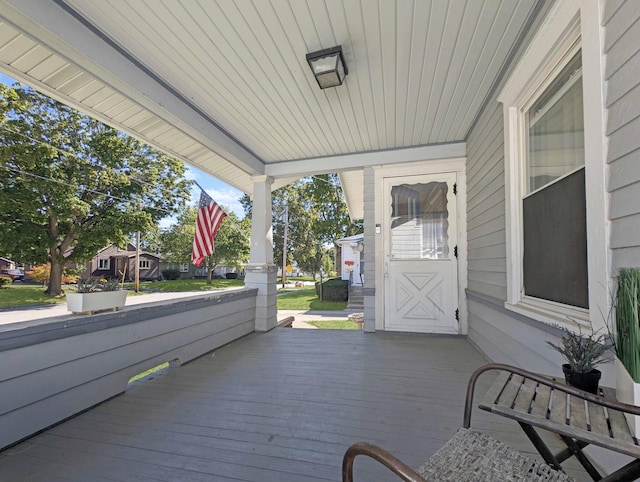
(455, 188)
(457, 314)
(455, 251)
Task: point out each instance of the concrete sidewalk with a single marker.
(37, 312)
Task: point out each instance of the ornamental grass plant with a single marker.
(627, 339)
(583, 352)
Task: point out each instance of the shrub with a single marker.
(231, 275)
(4, 280)
(170, 274)
(40, 273)
(334, 289)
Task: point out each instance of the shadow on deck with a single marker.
(278, 406)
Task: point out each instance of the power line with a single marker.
(50, 179)
(140, 182)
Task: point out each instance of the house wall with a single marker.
(151, 273)
(373, 244)
(92, 266)
(501, 334)
(7, 264)
(622, 99)
(348, 255)
(51, 371)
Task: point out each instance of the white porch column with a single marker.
(261, 271)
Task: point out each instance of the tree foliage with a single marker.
(231, 242)
(71, 185)
(317, 216)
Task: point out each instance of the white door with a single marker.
(421, 274)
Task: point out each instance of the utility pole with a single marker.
(137, 276)
(284, 243)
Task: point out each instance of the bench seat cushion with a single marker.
(474, 456)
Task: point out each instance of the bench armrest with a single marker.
(394, 464)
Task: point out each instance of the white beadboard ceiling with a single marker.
(224, 85)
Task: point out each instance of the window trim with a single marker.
(104, 268)
(147, 262)
(571, 25)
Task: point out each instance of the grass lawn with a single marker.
(18, 294)
(155, 369)
(334, 324)
(306, 299)
(187, 284)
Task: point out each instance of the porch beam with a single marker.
(60, 29)
(322, 165)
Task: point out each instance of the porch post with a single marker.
(261, 271)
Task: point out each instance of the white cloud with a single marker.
(228, 197)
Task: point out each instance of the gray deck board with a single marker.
(278, 406)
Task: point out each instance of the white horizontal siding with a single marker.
(60, 369)
(622, 49)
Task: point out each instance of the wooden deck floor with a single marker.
(278, 406)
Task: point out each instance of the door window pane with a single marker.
(419, 221)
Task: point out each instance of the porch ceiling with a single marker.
(225, 85)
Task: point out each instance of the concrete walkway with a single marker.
(302, 317)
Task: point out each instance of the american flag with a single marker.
(207, 223)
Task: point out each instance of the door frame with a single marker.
(452, 241)
(420, 168)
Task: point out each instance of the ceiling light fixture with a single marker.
(328, 66)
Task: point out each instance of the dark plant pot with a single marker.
(585, 381)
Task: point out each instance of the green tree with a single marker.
(317, 215)
(71, 185)
(231, 242)
(332, 219)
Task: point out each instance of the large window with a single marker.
(104, 263)
(553, 205)
(555, 199)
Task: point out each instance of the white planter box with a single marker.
(627, 391)
(90, 302)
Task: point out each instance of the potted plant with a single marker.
(583, 354)
(94, 295)
(627, 341)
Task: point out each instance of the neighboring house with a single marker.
(350, 258)
(113, 262)
(6, 263)
(189, 271)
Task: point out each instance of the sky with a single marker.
(221, 192)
